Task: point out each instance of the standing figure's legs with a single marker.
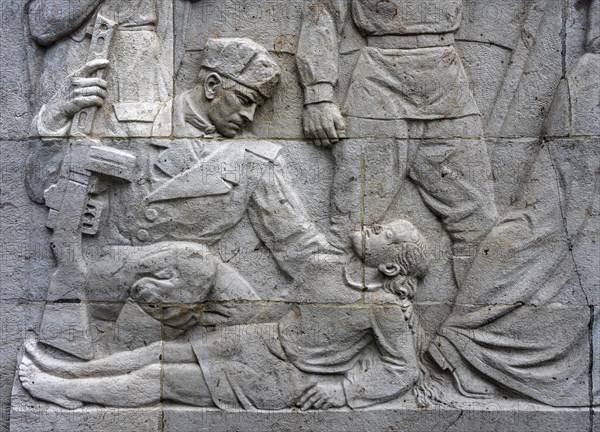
(453, 173)
(369, 169)
(448, 161)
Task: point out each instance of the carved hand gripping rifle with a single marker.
(73, 211)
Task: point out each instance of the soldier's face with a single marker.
(232, 108)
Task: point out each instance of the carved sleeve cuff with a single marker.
(39, 128)
(320, 92)
(354, 397)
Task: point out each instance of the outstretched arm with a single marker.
(51, 20)
(281, 221)
(317, 61)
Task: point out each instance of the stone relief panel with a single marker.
(255, 211)
(78, 42)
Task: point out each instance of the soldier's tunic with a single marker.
(197, 190)
(188, 195)
(409, 68)
(193, 192)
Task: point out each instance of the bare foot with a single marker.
(45, 386)
(47, 362)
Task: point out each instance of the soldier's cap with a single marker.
(243, 61)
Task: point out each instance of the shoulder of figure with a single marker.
(163, 119)
(267, 150)
(182, 96)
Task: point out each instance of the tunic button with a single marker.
(151, 214)
(143, 235)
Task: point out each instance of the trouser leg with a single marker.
(181, 383)
(183, 380)
(138, 388)
(346, 192)
(184, 383)
(449, 164)
(454, 179)
(370, 166)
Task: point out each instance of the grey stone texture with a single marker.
(357, 215)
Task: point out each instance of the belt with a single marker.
(411, 41)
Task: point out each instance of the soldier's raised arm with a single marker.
(51, 20)
(317, 60)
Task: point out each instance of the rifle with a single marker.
(74, 212)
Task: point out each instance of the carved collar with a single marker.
(194, 117)
(362, 278)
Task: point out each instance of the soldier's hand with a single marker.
(181, 317)
(217, 313)
(82, 89)
(323, 123)
(152, 291)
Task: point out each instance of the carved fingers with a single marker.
(179, 316)
(323, 395)
(159, 299)
(82, 89)
(152, 291)
(89, 87)
(323, 123)
(339, 123)
(91, 68)
(308, 398)
(87, 90)
(224, 310)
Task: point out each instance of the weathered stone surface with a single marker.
(596, 355)
(502, 417)
(300, 216)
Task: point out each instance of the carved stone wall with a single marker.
(293, 215)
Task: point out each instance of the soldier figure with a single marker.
(409, 113)
(188, 193)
